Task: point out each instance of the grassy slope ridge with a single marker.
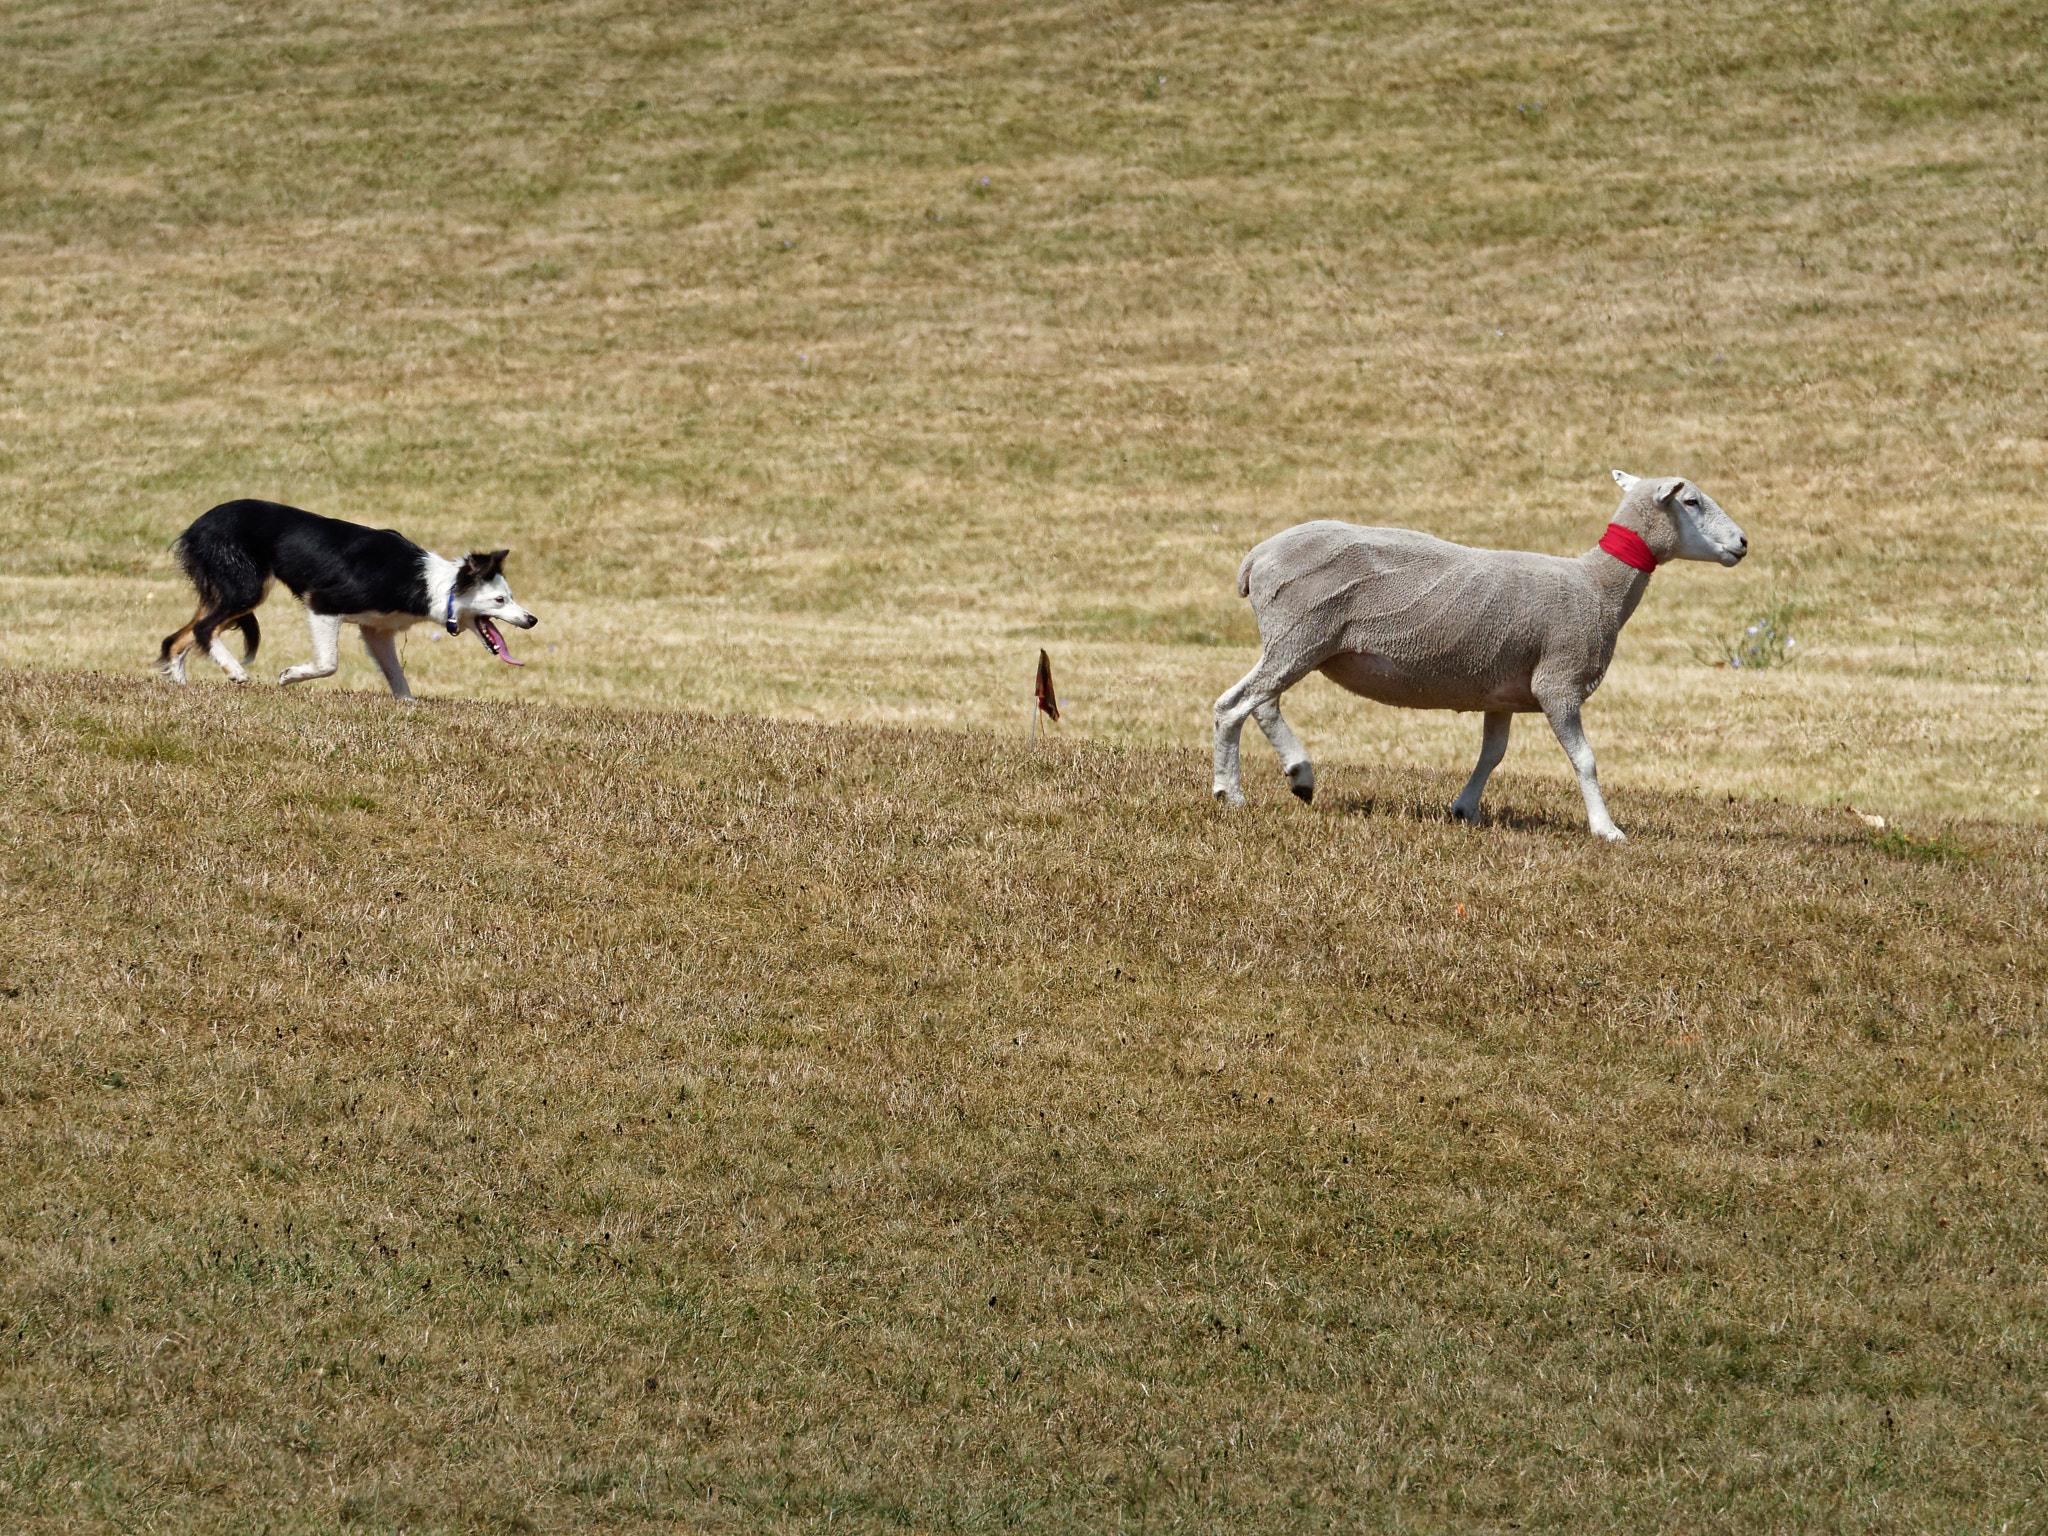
(512, 1117)
(766, 332)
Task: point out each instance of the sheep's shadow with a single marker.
(1396, 807)
(1756, 824)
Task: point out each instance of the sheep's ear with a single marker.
(1668, 490)
(1625, 480)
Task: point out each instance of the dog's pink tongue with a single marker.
(498, 645)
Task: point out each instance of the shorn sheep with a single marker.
(1411, 620)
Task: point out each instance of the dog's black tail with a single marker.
(230, 583)
(230, 580)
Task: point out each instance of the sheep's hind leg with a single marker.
(1493, 746)
(1301, 773)
(1571, 735)
(1259, 691)
(1229, 728)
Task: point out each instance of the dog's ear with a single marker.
(477, 569)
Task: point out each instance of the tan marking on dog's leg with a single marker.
(171, 658)
(225, 658)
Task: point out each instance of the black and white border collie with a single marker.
(344, 574)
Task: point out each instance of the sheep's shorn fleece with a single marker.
(1411, 620)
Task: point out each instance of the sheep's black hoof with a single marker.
(1305, 793)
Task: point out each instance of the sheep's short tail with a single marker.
(1244, 576)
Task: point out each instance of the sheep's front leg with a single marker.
(1563, 715)
(383, 648)
(326, 650)
(1493, 746)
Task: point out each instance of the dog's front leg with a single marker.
(326, 650)
(383, 646)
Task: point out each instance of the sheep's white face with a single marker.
(1704, 531)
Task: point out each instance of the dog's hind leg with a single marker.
(230, 612)
(252, 636)
(170, 658)
(326, 650)
(217, 648)
(383, 648)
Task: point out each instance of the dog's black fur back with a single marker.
(232, 553)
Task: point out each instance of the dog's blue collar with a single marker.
(453, 627)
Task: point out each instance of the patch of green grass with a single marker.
(1941, 848)
(331, 801)
(147, 746)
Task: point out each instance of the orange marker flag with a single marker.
(1047, 699)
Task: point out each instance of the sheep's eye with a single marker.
(1692, 501)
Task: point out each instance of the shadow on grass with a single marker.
(1659, 817)
(1423, 798)
(1411, 808)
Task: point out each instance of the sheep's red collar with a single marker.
(1627, 546)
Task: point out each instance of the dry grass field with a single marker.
(715, 1078)
(495, 1116)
